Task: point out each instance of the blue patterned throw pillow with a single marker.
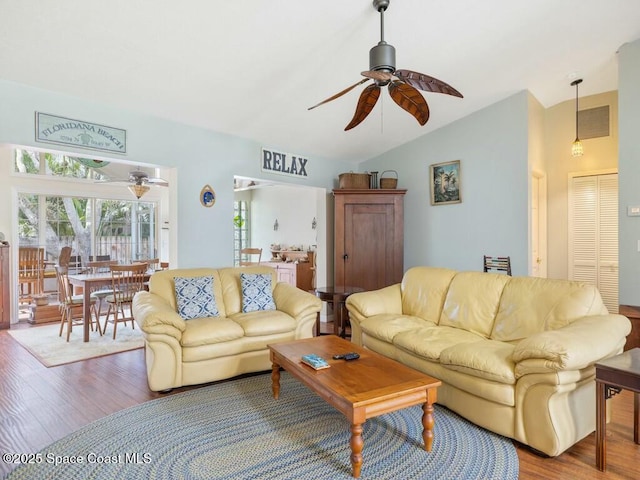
(256, 292)
(194, 296)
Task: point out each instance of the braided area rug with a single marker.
(237, 430)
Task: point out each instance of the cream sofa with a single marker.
(515, 354)
(188, 352)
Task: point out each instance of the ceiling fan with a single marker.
(403, 84)
(139, 181)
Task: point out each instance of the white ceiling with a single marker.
(252, 67)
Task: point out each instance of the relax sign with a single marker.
(283, 163)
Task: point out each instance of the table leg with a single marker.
(601, 425)
(428, 422)
(335, 304)
(275, 380)
(356, 449)
(636, 417)
(86, 306)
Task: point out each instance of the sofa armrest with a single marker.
(577, 345)
(155, 315)
(295, 302)
(367, 304)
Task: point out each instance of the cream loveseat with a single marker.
(188, 352)
(515, 354)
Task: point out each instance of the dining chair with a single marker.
(96, 267)
(31, 270)
(499, 264)
(72, 306)
(126, 281)
(247, 253)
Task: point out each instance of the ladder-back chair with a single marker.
(126, 281)
(497, 264)
(247, 253)
(72, 306)
(97, 267)
(31, 270)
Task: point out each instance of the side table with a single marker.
(612, 375)
(335, 296)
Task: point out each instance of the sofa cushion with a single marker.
(258, 323)
(472, 301)
(429, 342)
(532, 305)
(257, 293)
(424, 290)
(203, 331)
(194, 297)
(162, 283)
(232, 288)
(387, 325)
(484, 359)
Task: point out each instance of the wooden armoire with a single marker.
(369, 237)
(5, 305)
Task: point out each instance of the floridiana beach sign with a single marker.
(67, 131)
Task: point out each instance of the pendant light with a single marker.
(576, 147)
(138, 190)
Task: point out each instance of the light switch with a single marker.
(633, 211)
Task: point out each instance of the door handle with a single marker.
(345, 256)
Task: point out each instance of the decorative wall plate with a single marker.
(207, 196)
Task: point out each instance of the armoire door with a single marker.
(369, 238)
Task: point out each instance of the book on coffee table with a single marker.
(315, 361)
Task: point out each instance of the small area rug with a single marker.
(236, 430)
(44, 343)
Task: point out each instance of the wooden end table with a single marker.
(336, 296)
(359, 389)
(613, 375)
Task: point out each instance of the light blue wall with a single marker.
(492, 146)
(204, 236)
(629, 172)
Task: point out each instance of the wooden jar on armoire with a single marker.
(368, 237)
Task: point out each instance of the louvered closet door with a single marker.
(593, 234)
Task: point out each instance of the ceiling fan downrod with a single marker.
(382, 56)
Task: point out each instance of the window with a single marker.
(93, 227)
(240, 228)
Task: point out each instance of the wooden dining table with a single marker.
(90, 282)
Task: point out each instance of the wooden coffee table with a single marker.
(612, 375)
(361, 389)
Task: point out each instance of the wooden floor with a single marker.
(39, 405)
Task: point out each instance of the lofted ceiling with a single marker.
(251, 68)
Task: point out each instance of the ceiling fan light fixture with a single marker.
(138, 190)
(382, 57)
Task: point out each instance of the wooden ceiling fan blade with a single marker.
(160, 182)
(378, 75)
(410, 100)
(426, 83)
(366, 102)
(339, 94)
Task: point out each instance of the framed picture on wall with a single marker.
(444, 179)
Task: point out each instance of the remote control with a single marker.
(347, 356)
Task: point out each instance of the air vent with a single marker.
(593, 122)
